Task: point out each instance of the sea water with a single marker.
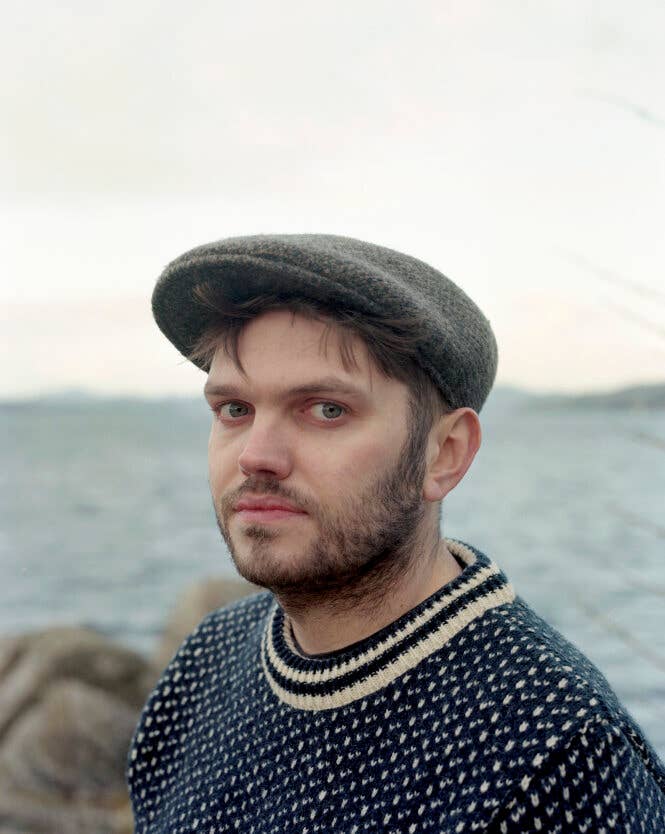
(106, 517)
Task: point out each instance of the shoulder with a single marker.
(597, 781)
(220, 634)
(543, 681)
(208, 651)
(543, 723)
(222, 642)
(236, 617)
(539, 660)
(549, 705)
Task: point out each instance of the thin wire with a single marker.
(637, 520)
(626, 637)
(651, 439)
(636, 317)
(642, 113)
(612, 277)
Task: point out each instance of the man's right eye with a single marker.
(232, 410)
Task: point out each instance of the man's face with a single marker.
(332, 443)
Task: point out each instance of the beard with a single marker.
(361, 548)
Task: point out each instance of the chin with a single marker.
(265, 565)
(273, 580)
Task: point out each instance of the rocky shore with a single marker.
(69, 702)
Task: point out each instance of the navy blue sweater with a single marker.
(468, 713)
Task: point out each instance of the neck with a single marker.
(326, 625)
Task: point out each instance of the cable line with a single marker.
(613, 277)
(636, 645)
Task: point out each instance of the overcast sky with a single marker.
(518, 147)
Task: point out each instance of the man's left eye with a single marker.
(329, 411)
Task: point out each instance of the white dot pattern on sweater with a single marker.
(469, 713)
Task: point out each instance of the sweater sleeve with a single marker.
(597, 784)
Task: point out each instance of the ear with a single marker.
(453, 442)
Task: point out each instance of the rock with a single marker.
(24, 814)
(10, 648)
(71, 744)
(191, 607)
(38, 659)
(69, 702)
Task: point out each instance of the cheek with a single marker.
(221, 462)
(353, 465)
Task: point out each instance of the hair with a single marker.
(391, 342)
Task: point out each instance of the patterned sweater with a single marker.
(467, 714)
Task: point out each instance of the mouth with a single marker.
(266, 509)
(265, 514)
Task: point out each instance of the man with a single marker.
(388, 679)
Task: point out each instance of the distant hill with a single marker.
(502, 399)
(634, 398)
(506, 399)
(81, 399)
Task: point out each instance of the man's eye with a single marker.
(232, 410)
(329, 411)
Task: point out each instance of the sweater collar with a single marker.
(336, 679)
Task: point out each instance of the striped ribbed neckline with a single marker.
(333, 680)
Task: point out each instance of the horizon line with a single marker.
(80, 393)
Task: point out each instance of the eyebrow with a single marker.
(330, 384)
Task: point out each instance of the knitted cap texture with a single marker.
(457, 346)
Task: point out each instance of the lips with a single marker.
(267, 509)
(266, 504)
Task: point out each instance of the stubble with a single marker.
(360, 551)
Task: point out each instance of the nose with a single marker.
(265, 452)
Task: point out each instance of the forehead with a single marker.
(281, 349)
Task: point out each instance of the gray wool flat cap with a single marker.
(458, 349)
